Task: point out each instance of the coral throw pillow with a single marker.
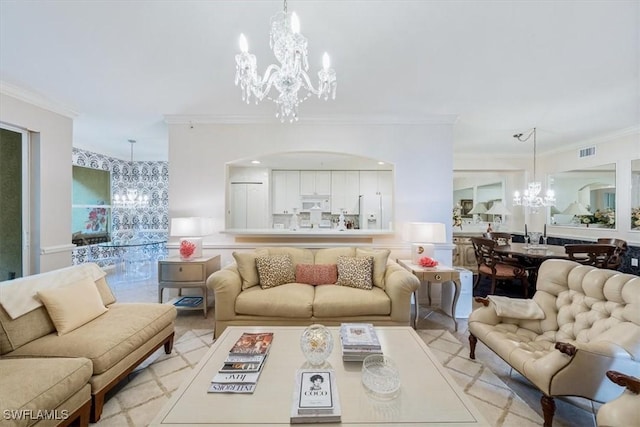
(275, 270)
(355, 272)
(317, 274)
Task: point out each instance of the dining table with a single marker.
(531, 256)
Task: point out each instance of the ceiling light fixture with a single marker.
(131, 198)
(531, 198)
(290, 49)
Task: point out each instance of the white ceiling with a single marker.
(570, 68)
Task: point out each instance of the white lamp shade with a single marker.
(191, 227)
(479, 208)
(498, 209)
(576, 208)
(554, 211)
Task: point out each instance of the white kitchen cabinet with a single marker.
(285, 191)
(345, 194)
(248, 206)
(314, 183)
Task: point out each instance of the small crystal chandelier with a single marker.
(131, 199)
(531, 198)
(290, 49)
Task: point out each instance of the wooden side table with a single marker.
(175, 273)
(431, 275)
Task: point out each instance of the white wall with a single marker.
(422, 155)
(51, 141)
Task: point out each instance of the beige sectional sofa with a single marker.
(242, 299)
(94, 356)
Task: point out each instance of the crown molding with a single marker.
(36, 99)
(600, 139)
(431, 119)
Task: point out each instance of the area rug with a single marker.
(136, 402)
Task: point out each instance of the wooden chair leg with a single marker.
(472, 346)
(475, 285)
(493, 286)
(548, 409)
(168, 345)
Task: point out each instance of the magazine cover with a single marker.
(361, 335)
(315, 391)
(253, 343)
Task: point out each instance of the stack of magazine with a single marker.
(358, 340)
(242, 367)
(315, 397)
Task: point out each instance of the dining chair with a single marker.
(496, 267)
(621, 247)
(597, 255)
(500, 238)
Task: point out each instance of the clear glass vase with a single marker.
(316, 343)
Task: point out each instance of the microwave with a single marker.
(323, 203)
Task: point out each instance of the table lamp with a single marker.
(576, 208)
(424, 235)
(191, 230)
(498, 209)
(478, 209)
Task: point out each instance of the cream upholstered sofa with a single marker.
(72, 354)
(589, 323)
(242, 299)
(624, 411)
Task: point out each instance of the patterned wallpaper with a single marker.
(151, 222)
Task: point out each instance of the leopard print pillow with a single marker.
(355, 272)
(275, 270)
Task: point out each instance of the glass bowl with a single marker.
(380, 376)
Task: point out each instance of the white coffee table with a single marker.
(429, 395)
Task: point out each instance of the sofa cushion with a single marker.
(317, 274)
(330, 255)
(247, 266)
(108, 338)
(380, 258)
(355, 272)
(298, 255)
(17, 332)
(71, 306)
(41, 384)
(293, 300)
(275, 270)
(337, 301)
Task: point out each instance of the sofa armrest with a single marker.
(226, 285)
(399, 285)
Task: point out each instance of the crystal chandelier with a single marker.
(532, 199)
(290, 49)
(131, 198)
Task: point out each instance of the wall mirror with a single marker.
(281, 191)
(475, 193)
(585, 197)
(635, 195)
(90, 210)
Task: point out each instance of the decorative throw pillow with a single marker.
(275, 270)
(380, 258)
(316, 274)
(355, 272)
(73, 305)
(246, 262)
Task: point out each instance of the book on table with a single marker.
(358, 340)
(243, 365)
(188, 302)
(315, 397)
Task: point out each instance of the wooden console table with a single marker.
(431, 275)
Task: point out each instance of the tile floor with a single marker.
(193, 335)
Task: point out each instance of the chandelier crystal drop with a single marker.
(290, 49)
(131, 198)
(532, 197)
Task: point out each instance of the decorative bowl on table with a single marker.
(316, 343)
(380, 377)
(534, 239)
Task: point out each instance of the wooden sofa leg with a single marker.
(548, 409)
(168, 344)
(472, 346)
(97, 403)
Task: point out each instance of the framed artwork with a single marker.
(467, 205)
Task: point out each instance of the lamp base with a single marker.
(190, 248)
(419, 250)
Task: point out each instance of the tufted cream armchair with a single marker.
(590, 325)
